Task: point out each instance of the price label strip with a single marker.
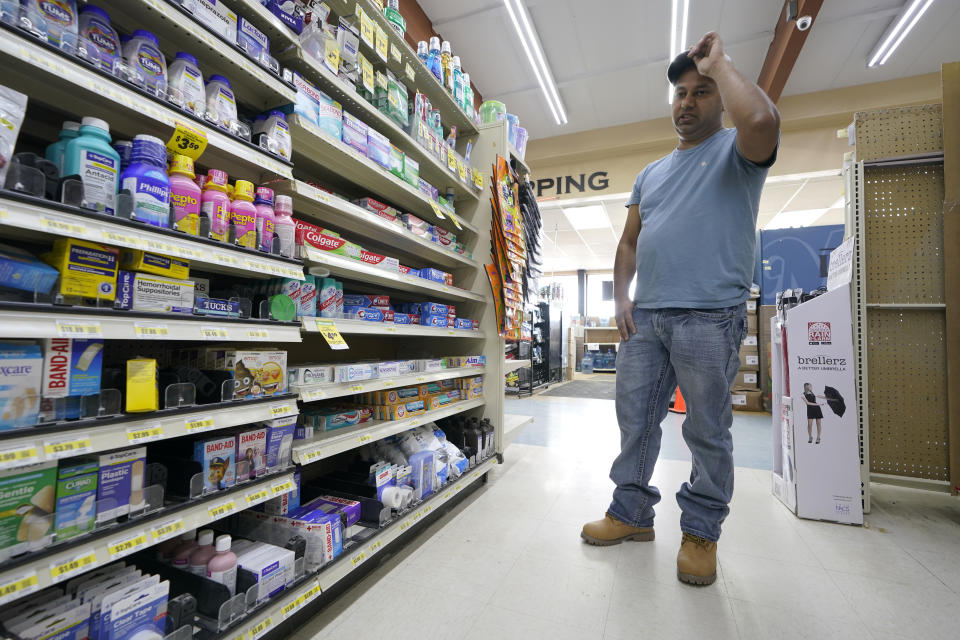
(214, 333)
(222, 510)
(90, 329)
(187, 141)
(63, 570)
(61, 448)
(478, 179)
(126, 546)
(167, 529)
(311, 456)
(280, 410)
(365, 438)
(281, 488)
(151, 331)
(258, 334)
(312, 395)
(18, 587)
(358, 559)
(53, 224)
(328, 329)
(451, 162)
(411, 74)
(114, 237)
(202, 423)
(437, 211)
(18, 457)
(257, 496)
(260, 628)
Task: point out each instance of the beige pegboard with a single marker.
(895, 133)
(904, 233)
(908, 393)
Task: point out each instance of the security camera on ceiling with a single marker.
(803, 22)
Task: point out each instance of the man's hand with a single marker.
(625, 319)
(708, 53)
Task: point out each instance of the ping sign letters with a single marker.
(564, 185)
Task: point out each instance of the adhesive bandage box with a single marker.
(142, 392)
(21, 376)
(120, 483)
(270, 566)
(19, 269)
(139, 615)
(143, 292)
(27, 500)
(257, 373)
(218, 457)
(251, 453)
(71, 367)
(76, 497)
(279, 441)
(155, 263)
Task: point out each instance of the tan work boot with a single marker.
(697, 560)
(608, 531)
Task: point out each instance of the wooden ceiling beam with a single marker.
(785, 49)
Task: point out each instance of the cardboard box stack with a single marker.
(745, 393)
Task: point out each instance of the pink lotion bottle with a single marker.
(202, 554)
(266, 221)
(243, 214)
(186, 544)
(222, 567)
(285, 227)
(216, 205)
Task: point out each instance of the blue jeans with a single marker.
(697, 349)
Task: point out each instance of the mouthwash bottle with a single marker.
(457, 81)
(54, 152)
(423, 51)
(446, 62)
(467, 95)
(434, 62)
(146, 180)
(91, 157)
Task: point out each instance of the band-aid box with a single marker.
(71, 367)
(28, 500)
(76, 497)
(120, 484)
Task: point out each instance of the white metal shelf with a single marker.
(431, 168)
(177, 30)
(111, 544)
(357, 270)
(314, 392)
(22, 218)
(340, 440)
(47, 323)
(288, 603)
(29, 446)
(513, 365)
(315, 151)
(512, 422)
(365, 327)
(59, 80)
(422, 78)
(310, 202)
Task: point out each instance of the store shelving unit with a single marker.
(312, 393)
(384, 329)
(513, 365)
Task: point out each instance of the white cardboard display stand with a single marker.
(813, 353)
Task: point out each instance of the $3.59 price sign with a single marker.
(187, 141)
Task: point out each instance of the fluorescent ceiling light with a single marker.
(790, 219)
(589, 217)
(678, 35)
(900, 27)
(531, 46)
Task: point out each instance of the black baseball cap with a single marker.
(680, 64)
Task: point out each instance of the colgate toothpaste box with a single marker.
(364, 313)
(379, 261)
(218, 457)
(336, 246)
(375, 206)
(364, 300)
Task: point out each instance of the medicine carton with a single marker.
(71, 367)
(330, 116)
(214, 15)
(349, 509)
(378, 148)
(355, 132)
(218, 457)
(28, 500)
(21, 377)
(87, 269)
(308, 100)
(19, 269)
(76, 497)
(251, 453)
(269, 565)
(120, 483)
(251, 39)
(155, 263)
(144, 292)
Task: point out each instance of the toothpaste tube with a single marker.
(463, 323)
(375, 206)
(364, 313)
(433, 309)
(433, 321)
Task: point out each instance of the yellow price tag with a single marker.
(456, 223)
(375, 546)
(90, 329)
(311, 456)
(290, 607)
(478, 179)
(26, 584)
(357, 559)
(383, 42)
(167, 529)
(259, 629)
(282, 488)
(356, 388)
(411, 74)
(187, 141)
(257, 496)
(151, 331)
(395, 53)
(366, 69)
(328, 329)
(390, 329)
(53, 224)
(79, 563)
(451, 161)
(112, 237)
(17, 457)
(461, 170)
(222, 510)
(280, 410)
(365, 438)
(312, 395)
(258, 334)
(310, 593)
(366, 26)
(214, 333)
(67, 448)
(406, 523)
(127, 546)
(202, 423)
(331, 54)
(437, 211)
(387, 383)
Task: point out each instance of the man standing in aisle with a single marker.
(690, 240)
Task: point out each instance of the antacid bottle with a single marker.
(243, 214)
(266, 220)
(185, 195)
(215, 205)
(146, 180)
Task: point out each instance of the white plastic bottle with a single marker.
(202, 554)
(284, 226)
(275, 127)
(95, 26)
(142, 52)
(222, 567)
(185, 83)
(221, 103)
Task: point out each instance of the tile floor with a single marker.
(509, 563)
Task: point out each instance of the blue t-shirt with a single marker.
(698, 209)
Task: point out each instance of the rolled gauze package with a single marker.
(392, 497)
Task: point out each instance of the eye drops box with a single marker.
(218, 457)
(120, 483)
(76, 497)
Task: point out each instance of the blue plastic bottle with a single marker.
(91, 157)
(95, 25)
(434, 62)
(54, 152)
(147, 181)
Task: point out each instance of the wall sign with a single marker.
(565, 185)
